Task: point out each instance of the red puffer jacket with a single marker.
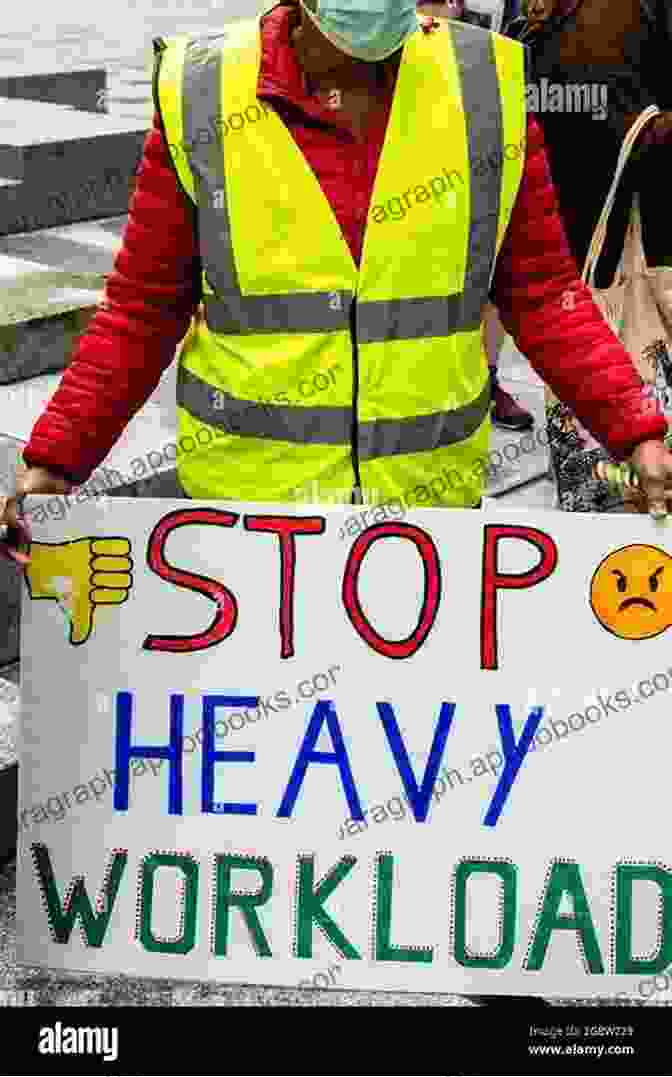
(155, 287)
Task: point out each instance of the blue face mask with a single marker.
(369, 30)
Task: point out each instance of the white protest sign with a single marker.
(435, 757)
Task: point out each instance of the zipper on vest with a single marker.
(357, 491)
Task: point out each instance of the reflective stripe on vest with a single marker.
(329, 426)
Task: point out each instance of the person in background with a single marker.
(627, 69)
(506, 412)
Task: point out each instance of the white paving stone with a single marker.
(78, 297)
(21, 404)
(10, 702)
(540, 494)
(11, 268)
(57, 123)
(514, 367)
(28, 70)
(87, 234)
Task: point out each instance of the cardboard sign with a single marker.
(435, 757)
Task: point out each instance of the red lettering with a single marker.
(286, 527)
(431, 595)
(493, 580)
(226, 617)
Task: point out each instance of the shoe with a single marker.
(506, 411)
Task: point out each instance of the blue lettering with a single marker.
(324, 712)
(124, 752)
(514, 755)
(211, 756)
(418, 798)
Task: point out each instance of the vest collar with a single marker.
(280, 74)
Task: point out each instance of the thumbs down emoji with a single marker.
(80, 576)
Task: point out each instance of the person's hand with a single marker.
(32, 480)
(659, 131)
(539, 11)
(652, 463)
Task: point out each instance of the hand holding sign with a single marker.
(652, 462)
(97, 571)
(15, 536)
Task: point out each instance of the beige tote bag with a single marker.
(660, 280)
(631, 310)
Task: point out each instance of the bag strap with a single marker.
(639, 263)
(600, 233)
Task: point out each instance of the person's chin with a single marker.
(320, 67)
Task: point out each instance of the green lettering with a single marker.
(189, 868)
(626, 874)
(565, 877)
(507, 932)
(309, 907)
(62, 917)
(247, 903)
(385, 950)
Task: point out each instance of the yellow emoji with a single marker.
(631, 592)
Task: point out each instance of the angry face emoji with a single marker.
(631, 592)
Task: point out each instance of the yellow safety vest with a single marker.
(302, 377)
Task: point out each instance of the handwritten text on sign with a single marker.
(453, 634)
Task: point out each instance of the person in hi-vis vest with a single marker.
(338, 188)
